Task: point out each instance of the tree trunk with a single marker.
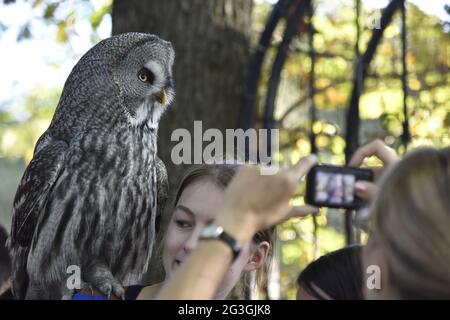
(211, 43)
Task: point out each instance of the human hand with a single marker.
(256, 202)
(387, 155)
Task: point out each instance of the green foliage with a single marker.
(97, 16)
(64, 15)
(19, 133)
(49, 11)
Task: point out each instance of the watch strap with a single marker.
(232, 243)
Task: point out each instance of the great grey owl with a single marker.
(89, 196)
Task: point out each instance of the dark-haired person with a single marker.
(334, 276)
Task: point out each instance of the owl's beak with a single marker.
(161, 97)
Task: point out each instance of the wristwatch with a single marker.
(214, 231)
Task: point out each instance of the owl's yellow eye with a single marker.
(146, 75)
(143, 77)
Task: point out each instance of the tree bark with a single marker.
(211, 43)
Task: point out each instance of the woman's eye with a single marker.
(182, 224)
(146, 75)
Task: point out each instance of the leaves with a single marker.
(50, 10)
(24, 33)
(37, 3)
(18, 136)
(97, 16)
(62, 35)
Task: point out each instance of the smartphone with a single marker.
(333, 186)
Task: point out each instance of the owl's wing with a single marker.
(35, 186)
(162, 182)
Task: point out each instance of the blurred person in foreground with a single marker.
(336, 275)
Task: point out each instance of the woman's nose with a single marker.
(192, 242)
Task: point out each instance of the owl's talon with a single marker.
(68, 295)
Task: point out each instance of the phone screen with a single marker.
(332, 186)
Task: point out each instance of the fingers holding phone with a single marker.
(375, 148)
(364, 189)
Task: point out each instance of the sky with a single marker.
(434, 7)
(42, 61)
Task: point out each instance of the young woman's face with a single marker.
(197, 207)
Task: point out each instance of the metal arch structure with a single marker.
(247, 115)
(301, 8)
(360, 73)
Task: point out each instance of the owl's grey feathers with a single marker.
(89, 196)
(36, 183)
(30, 199)
(162, 181)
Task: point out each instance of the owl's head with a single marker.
(127, 76)
(144, 78)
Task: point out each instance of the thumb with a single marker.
(365, 189)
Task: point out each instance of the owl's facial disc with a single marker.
(157, 94)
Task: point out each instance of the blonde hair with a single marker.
(411, 223)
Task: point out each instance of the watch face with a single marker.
(211, 231)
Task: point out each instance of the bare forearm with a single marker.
(200, 275)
